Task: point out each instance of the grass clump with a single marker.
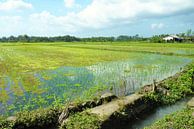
(39, 118)
(177, 87)
(179, 120)
(4, 124)
(82, 121)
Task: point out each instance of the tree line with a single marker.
(68, 38)
(188, 36)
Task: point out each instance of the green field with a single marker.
(49, 74)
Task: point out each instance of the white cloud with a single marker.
(104, 13)
(46, 23)
(157, 26)
(8, 27)
(100, 14)
(14, 5)
(69, 3)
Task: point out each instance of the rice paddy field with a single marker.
(36, 75)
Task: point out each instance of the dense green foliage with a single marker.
(188, 36)
(4, 124)
(83, 121)
(67, 38)
(177, 87)
(179, 120)
(33, 119)
(26, 38)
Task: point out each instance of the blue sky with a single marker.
(85, 18)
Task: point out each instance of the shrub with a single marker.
(4, 124)
(179, 120)
(83, 121)
(177, 86)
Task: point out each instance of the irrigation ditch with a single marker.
(108, 111)
(151, 117)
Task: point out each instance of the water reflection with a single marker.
(157, 114)
(28, 91)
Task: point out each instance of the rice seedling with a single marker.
(41, 75)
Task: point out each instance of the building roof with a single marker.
(171, 37)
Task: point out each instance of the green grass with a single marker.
(31, 57)
(178, 87)
(82, 121)
(26, 57)
(35, 119)
(21, 62)
(179, 120)
(169, 49)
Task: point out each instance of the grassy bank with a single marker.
(178, 87)
(183, 119)
(174, 88)
(82, 121)
(40, 118)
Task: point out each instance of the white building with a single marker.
(172, 38)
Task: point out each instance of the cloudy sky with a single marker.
(95, 17)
